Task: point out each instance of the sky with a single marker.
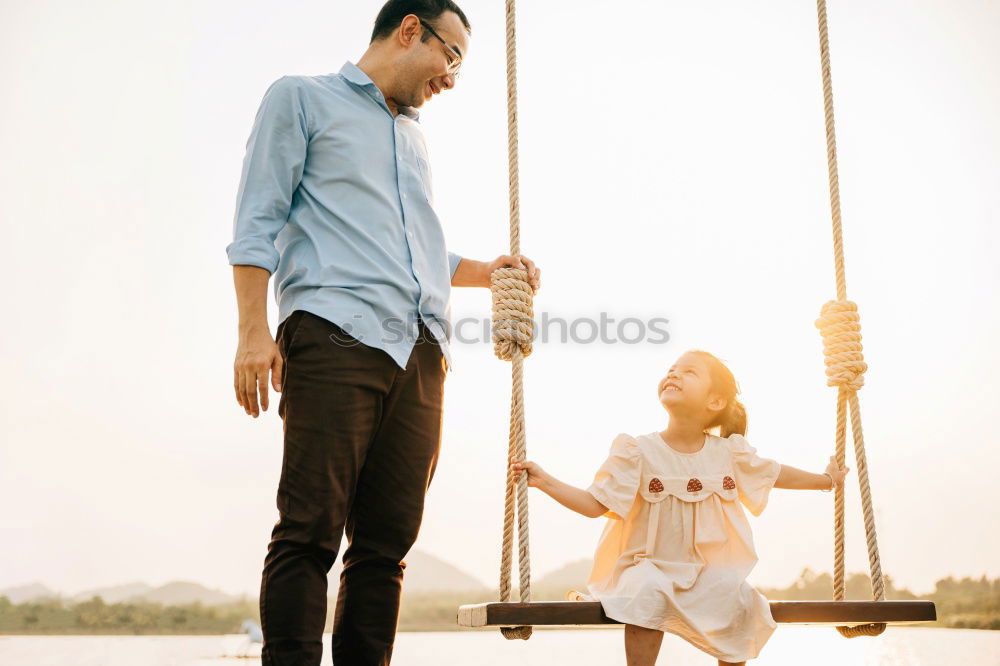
(672, 165)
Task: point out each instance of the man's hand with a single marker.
(256, 356)
(516, 261)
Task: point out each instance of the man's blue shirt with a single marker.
(335, 201)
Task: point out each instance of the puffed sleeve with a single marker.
(755, 476)
(616, 483)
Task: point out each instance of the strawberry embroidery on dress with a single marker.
(694, 485)
(655, 486)
(728, 483)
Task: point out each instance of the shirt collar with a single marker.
(356, 75)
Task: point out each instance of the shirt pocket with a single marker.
(655, 487)
(424, 174)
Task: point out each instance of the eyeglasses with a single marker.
(455, 64)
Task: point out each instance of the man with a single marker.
(335, 199)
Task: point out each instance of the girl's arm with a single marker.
(571, 497)
(799, 479)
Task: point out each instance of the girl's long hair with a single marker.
(732, 419)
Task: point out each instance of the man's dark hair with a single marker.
(394, 11)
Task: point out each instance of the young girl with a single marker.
(676, 551)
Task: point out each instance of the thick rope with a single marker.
(840, 326)
(512, 334)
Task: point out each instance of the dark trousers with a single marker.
(361, 442)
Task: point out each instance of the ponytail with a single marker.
(733, 419)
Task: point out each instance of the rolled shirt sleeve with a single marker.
(272, 170)
(453, 261)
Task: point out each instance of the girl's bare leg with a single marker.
(732, 663)
(641, 645)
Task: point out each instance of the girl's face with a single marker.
(686, 389)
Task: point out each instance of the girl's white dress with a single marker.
(677, 547)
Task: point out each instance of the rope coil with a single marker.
(840, 326)
(513, 328)
(513, 316)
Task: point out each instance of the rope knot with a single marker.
(840, 325)
(513, 323)
(862, 630)
(516, 633)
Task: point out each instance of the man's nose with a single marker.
(448, 81)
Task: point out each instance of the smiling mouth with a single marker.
(670, 387)
(434, 91)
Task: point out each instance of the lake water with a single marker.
(816, 646)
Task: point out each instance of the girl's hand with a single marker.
(534, 471)
(838, 473)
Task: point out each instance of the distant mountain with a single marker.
(182, 592)
(572, 574)
(555, 584)
(30, 592)
(114, 594)
(424, 573)
(173, 593)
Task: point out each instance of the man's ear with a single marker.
(409, 31)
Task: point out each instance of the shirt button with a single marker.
(410, 234)
(404, 195)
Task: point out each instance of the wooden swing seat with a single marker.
(561, 613)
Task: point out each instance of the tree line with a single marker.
(970, 603)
